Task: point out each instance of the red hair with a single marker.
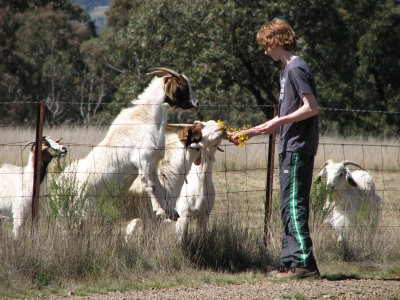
(277, 33)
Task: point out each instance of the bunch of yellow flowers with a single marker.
(242, 136)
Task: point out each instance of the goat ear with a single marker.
(189, 139)
(183, 134)
(350, 180)
(170, 86)
(194, 135)
(45, 144)
(186, 136)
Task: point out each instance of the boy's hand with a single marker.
(234, 138)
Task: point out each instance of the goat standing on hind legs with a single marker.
(16, 183)
(135, 142)
(187, 147)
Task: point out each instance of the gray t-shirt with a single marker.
(297, 80)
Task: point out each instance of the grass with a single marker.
(95, 258)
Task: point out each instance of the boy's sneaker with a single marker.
(279, 270)
(299, 272)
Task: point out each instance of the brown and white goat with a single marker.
(183, 151)
(134, 143)
(16, 183)
(197, 196)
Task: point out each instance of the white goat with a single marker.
(197, 196)
(135, 143)
(16, 183)
(179, 158)
(350, 192)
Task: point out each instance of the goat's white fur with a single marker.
(132, 147)
(197, 196)
(16, 187)
(350, 191)
(178, 164)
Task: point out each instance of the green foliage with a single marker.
(43, 277)
(67, 201)
(43, 61)
(206, 40)
(49, 51)
(214, 43)
(320, 203)
(109, 204)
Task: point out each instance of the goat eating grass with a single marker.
(352, 192)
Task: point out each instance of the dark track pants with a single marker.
(295, 176)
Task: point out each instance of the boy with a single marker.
(298, 123)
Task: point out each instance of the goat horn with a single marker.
(29, 144)
(351, 163)
(323, 166)
(181, 125)
(156, 71)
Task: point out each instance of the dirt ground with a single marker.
(269, 289)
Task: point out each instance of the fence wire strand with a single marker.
(239, 174)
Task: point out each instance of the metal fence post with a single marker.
(270, 179)
(38, 161)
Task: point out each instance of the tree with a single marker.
(96, 86)
(49, 50)
(352, 47)
(214, 43)
(42, 59)
(375, 30)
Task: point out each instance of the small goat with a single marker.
(179, 158)
(135, 143)
(16, 183)
(350, 191)
(197, 196)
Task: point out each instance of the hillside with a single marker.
(96, 9)
(90, 5)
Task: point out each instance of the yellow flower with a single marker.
(221, 125)
(242, 136)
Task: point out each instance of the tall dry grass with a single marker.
(235, 239)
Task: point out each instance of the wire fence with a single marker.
(238, 175)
